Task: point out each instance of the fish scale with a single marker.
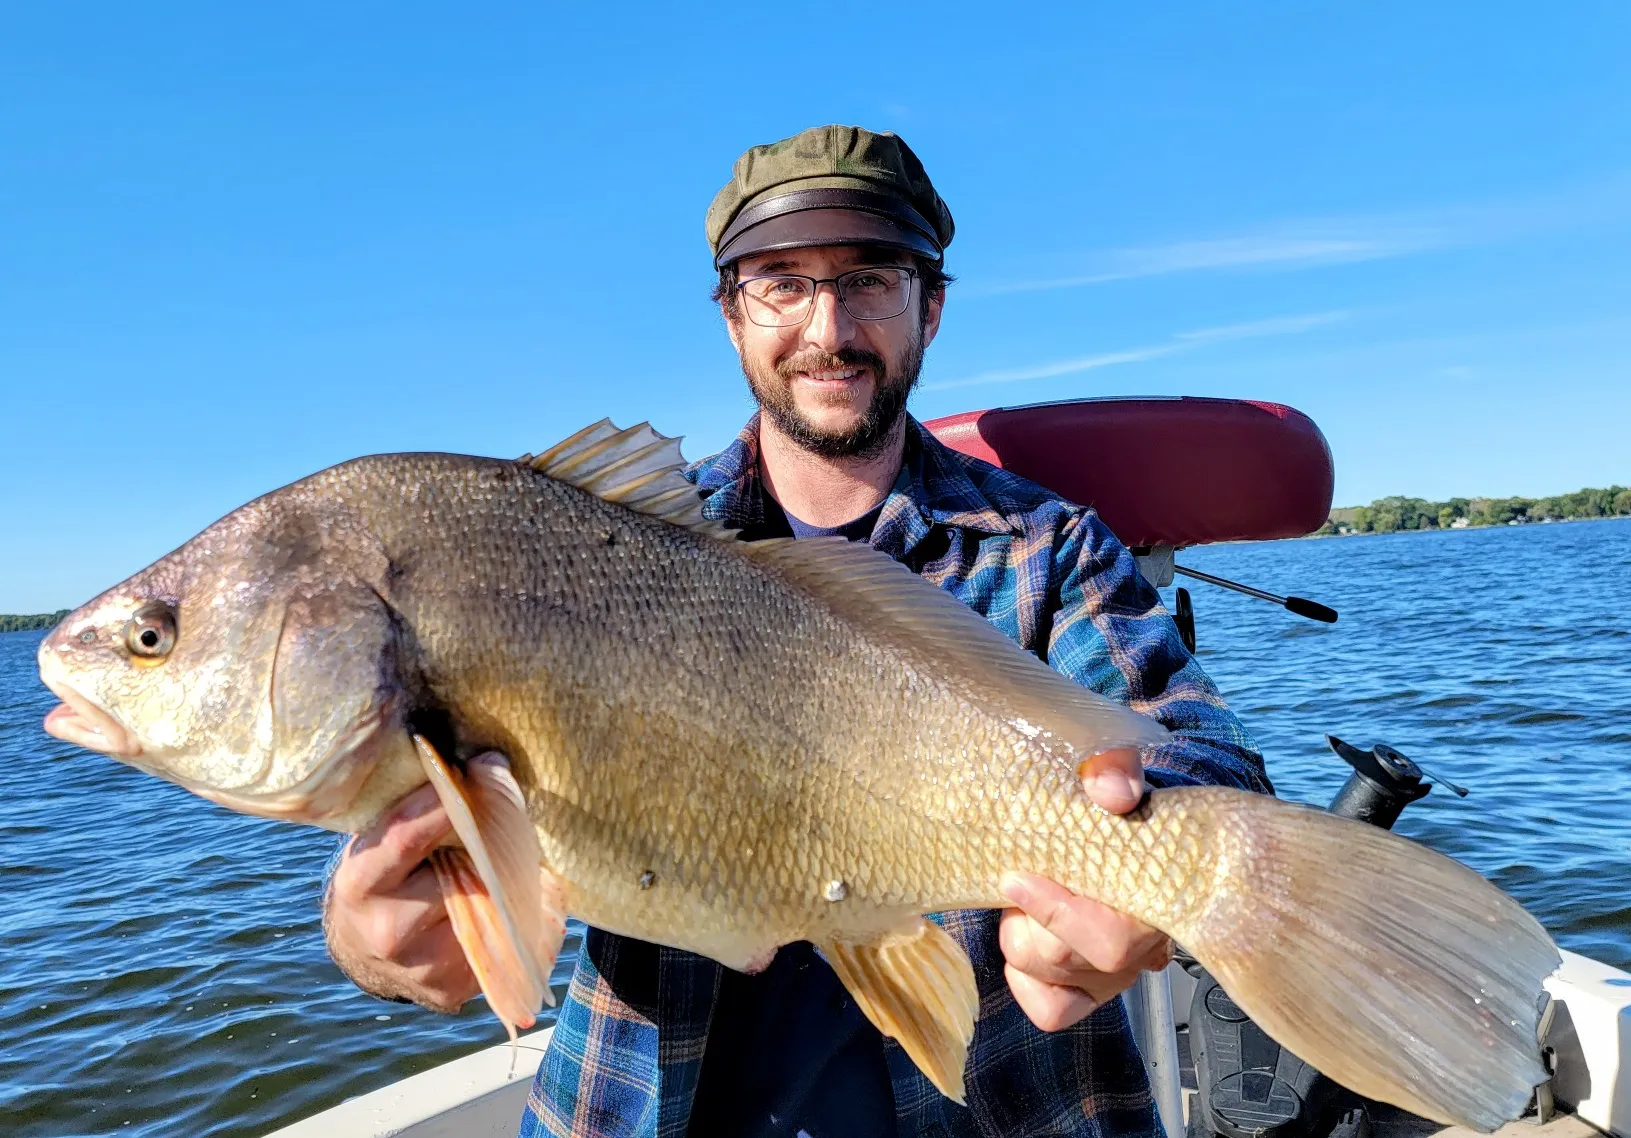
(627, 586)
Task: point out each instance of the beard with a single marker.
(893, 381)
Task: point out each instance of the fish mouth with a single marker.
(79, 721)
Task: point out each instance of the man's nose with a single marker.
(829, 327)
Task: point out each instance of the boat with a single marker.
(1587, 1042)
(1165, 475)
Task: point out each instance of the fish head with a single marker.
(254, 665)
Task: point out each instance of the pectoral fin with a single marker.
(918, 988)
(505, 980)
(506, 910)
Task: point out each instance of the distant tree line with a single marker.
(14, 623)
(1389, 515)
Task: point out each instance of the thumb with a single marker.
(1114, 780)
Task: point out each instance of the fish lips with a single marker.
(78, 721)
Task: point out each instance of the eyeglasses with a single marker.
(781, 300)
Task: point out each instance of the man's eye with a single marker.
(789, 286)
(875, 280)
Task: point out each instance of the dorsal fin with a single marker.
(895, 606)
(637, 468)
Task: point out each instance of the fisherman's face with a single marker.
(834, 385)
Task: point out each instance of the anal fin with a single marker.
(916, 987)
(507, 910)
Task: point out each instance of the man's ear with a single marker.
(731, 329)
(931, 317)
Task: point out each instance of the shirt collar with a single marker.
(942, 485)
(933, 488)
(729, 481)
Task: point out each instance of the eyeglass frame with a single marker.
(815, 289)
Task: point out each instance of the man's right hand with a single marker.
(386, 924)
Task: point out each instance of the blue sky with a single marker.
(239, 243)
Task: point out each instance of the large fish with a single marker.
(726, 747)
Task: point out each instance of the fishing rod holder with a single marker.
(1383, 783)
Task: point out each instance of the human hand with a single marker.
(1067, 955)
(384, 918)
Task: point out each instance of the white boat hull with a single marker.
(482, 1095)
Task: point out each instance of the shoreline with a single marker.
(31, 622)
(1462, 529)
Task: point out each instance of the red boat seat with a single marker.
(1179, 471)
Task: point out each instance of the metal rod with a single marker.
(1302, 606)
(1460, 791)
(1235, 585)
(1149, 1008)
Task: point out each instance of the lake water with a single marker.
(162, 969)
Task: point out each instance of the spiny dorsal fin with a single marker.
(636, 468)
(895, 606)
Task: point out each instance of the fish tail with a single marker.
(1395, 970)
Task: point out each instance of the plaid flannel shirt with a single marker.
(627, 1048)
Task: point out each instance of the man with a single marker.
(829, 248)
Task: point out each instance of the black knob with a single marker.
(1384, 782)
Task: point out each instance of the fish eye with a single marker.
(151, 633)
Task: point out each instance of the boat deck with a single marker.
(482, 1095)
(479, 1096)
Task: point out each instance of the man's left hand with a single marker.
(1067, 956)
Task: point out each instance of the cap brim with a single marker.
(814, 227)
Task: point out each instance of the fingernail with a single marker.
(1115, 790)
(418, 804)
(1014, 888)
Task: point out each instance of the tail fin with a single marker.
(1398, 972)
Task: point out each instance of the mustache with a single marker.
(814, 359)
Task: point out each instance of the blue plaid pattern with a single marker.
(627, 1049)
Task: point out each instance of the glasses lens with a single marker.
(866, 294)
(775, 302)
(875, 294)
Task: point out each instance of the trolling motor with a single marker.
(1248, 1086)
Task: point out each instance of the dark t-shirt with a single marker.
(789, 1054)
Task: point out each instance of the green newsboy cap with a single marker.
(829, 185)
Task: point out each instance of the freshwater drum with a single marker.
(668, 697)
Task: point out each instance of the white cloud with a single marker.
(1273, 326)
(1058, 367)
(1181, 342)
(1288, 247)
(1311, 242)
